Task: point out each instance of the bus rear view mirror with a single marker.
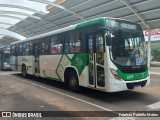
(108, 40)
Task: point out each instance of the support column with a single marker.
(149, 47)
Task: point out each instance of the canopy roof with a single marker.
(144, 12)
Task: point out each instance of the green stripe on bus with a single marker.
(133, 76)
(78, 60)
(92, 22)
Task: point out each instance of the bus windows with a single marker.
(20, 50)
(66, 47)
(72, 42)
(56, 45)
(16, 50)
(37, 49)
(45, 47)
(30, 48)
(76, 46)
(68, 38)
(26, 48)
(12, 50)
(77, 42)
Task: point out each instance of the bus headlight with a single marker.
(115, 74)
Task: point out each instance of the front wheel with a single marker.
(72, 81)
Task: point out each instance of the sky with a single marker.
(25, 3)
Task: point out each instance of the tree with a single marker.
(155, 52)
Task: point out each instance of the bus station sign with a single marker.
(155, 34)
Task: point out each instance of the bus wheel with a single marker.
(24, 72)
(72, 81)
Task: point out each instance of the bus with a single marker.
(105, 54)
(5, 57)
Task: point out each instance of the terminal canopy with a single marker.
(144, 12)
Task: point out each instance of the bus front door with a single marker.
(36, 57)
(96, 60)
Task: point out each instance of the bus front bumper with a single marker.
(116, 85)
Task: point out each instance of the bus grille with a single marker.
(135, 70)
(132, 85)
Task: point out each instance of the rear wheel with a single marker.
(24, 72)
(72, 81)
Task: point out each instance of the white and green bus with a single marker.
(105, 54)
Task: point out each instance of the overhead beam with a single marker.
(153, 20)
(2, 13)
(10, 31)
(141, 13)
(19, 13)
(10, 36)
(86, 2)
(21, 19)
(39, 25)
(5, 28)
(22, 7)
(136, 13)
(13, 17)
(59, 6)
(4, 23)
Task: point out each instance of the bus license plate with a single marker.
(137, 87)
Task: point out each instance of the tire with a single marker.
(24, 72)
(72, 81)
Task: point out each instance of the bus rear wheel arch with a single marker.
(71, 79)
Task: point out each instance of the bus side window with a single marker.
(30, 48)
(72, 42)
(77, 42)
(56, 44)
(67, 43)
(47, 46)
(20, 50)
(26, 48)
(13, 50)
(16, 50)
(43, 48)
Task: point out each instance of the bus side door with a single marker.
(96, 60)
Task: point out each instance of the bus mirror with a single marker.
(108, 40)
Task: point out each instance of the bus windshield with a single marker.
(128, 45)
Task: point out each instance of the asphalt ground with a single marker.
(39, 94)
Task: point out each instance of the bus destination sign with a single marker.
(120, 24)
